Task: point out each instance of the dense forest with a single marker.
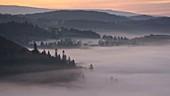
(26, 31)
(16, 59)
(5, 18)
(23, 32)
(63, 32)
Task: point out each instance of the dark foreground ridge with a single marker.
(15, 59)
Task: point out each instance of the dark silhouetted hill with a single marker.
(88, 24)
(57, 18)
(15, 59)
(7, 46)
(23, 32)
(73, 33)
(157, 25)
(100, 21)
(78, 15)
(5, 18)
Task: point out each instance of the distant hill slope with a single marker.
(142, 17)
(78, 15)
(13, 9)
(120, 13)
(74, 33)
(22, 32)
(58, 18)
(157, 25)
(100, 21)
(5, 18)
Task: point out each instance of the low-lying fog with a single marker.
(118, 71)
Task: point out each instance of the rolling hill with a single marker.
(142, 17)
(15, 10)
(66, 15)
(22, 32)
(94, 20)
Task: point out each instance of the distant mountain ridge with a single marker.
(78, 15)
(58, 18)
(15, 10)
(94, 20)
(142, 17)
(120, 13)
(158, 25)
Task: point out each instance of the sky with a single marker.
(154, 7)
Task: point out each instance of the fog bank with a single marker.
(118, 71)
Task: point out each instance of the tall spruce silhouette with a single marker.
(35, 50)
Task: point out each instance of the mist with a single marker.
(118, 71)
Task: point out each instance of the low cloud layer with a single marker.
(135, 71)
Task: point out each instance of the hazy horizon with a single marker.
(151, 7)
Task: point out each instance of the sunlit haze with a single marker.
(154, 7)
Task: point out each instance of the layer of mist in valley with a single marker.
(118, 71)
(54, 52)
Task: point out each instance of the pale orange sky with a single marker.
(156, 7)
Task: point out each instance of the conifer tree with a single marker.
(56, 52)
(49, 53)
